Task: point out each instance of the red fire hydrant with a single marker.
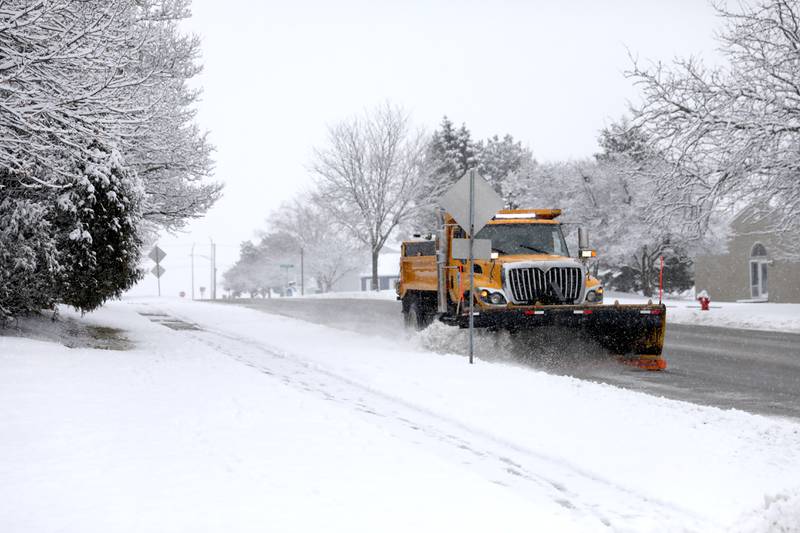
(704, 300)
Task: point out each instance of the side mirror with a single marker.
(584, 252)
(583, 238)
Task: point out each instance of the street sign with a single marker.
(158, 271)
(487, 202)
(482, 249)
(157, 254)
(472, 202)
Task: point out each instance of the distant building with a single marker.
(748, 272)
(388, 271)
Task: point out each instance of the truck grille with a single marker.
(531, 284)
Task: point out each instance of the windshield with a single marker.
(518, 239)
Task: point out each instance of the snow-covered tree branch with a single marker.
(98, 144)
(731, 135)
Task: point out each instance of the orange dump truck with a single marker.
(529, 280)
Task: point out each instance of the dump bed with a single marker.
(418, 267)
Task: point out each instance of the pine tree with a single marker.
(28, 253)
(96, 219)
(452, 152)
(499, 159)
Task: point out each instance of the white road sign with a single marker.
(487, 202)
(482, 249)
(157, 271)
(157, 254)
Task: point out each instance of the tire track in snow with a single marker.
(496, 459)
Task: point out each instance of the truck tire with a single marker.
(415, 317)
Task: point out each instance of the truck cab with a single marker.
(530, 264)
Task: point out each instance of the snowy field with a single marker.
(761, 316)
(765, 316)
(255, 422)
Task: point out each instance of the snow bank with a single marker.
(389, 294)
(780, 513)
(762, 316)
(259, 422)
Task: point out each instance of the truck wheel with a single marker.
(414, 317)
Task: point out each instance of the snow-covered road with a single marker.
(259, 422)
(755, 371)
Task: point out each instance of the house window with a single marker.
(758, 272)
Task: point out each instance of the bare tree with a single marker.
(330, 253)
(370, 176)
(730, 134)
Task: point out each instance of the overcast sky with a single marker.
(277, 73)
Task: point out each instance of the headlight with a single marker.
(497, 299)
(492, 296)
(595, 295)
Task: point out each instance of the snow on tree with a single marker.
(371, 176)
(75, 242)
(330, 252)
(97, 218)
(609, 195)
(451, 152)
(114, 70)
(730, 134)
(254, 273)
(28, 253)
(500, 158)
(96, 131)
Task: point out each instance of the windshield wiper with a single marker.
(498, 250)
(535, 249)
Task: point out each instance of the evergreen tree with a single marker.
(500, 158)
(452, 152)
(96, 219)
(28, 254)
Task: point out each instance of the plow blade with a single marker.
(629, 329)
(634, 333)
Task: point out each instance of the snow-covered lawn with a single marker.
(258, 422)
(763, 316)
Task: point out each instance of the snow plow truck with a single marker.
(529, 281)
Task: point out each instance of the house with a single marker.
(388, 271)
(359, 280)
(748, 271)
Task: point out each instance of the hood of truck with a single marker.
(527, 258)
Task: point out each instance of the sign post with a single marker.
(157, 255)
(472, 203)
(471, 260)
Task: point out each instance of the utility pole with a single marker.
(471, 258)
(191, 254)
(158, 267)
(212, 289)
(302, 274)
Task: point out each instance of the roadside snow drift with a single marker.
(254, 422)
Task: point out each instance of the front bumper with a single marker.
(622, 329)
